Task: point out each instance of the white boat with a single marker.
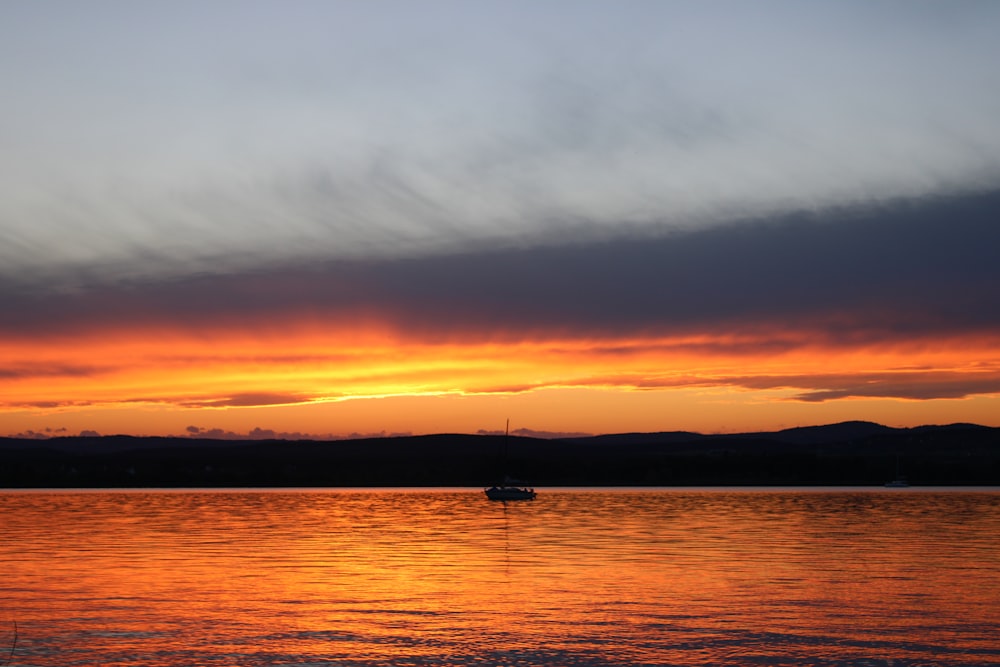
(510, 489)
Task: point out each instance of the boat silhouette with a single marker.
(509, 489)
(899, 482)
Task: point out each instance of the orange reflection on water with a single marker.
(449, 578)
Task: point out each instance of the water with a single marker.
(446, 577)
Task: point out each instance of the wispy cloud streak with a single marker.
(348, 131)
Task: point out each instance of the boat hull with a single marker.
(509, 493)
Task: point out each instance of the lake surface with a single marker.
(446, 577)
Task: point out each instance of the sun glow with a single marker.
(309, 379)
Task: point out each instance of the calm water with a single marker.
(445, 577)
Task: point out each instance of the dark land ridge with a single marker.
(849, 453)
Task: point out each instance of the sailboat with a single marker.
(510, 489)
(899, 482)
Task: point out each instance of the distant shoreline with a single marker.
(859, 454)
(477, 490)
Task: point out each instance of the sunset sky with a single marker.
(321, 219)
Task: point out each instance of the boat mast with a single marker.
(506, 435)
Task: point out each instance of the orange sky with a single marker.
(754, 326)
(340, 380)
(344, 220)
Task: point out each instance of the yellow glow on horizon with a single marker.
(311, 380)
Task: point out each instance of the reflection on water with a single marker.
(446, 577)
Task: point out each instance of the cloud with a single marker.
(47, 405)
(906, 270)
(341, 131)
(939, 386)
(245, 400)
(242, 400)
(914, 384)
(258, 433)
(808, 388)
(31, 435)
(50, 432)
(25, 370)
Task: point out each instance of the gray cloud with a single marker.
(912, 385)
(914, 268)
(187, 138)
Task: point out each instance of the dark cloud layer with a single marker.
(904, 269)
(911, 385)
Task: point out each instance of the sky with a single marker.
(330, 219)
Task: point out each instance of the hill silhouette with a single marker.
(860, 453)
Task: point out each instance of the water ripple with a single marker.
(445, 577)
